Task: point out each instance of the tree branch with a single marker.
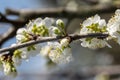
(45, 39)
(3, 18)
(12, 30)
(61, 12)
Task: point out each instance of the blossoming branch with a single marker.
(94, 33)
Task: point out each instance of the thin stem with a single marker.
(46, 39)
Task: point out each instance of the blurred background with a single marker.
(100, 64)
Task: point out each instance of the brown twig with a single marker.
(46, 39)
(4, 19)
(12, 30)
(61, 12)
(7, 35)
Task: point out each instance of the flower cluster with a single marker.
(40, 28)
(113, 26)
(7, 65)
(37, 28)
(94, 25)
(59, 52)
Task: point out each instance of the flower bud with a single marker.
(65, 42)
(21, 30)
(60, 23)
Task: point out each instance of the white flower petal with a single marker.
(96, 18)
(37, 21)
(20, 37)
(21, 30)
(102, 23)
(48, 22)
(117, 12)
(8, 69)
(87, 22)
(51, 31)
(63, 57)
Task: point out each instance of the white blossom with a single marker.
(61, 56)
(65, 42)
(57, 52)
(20, 37)
(9, 69)
(20, 34)
(52, 31)
(94, 43)
(47, 22)
(36, 22)
(94, 25)
(45, 50)
(21, 30)
(113, 26)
